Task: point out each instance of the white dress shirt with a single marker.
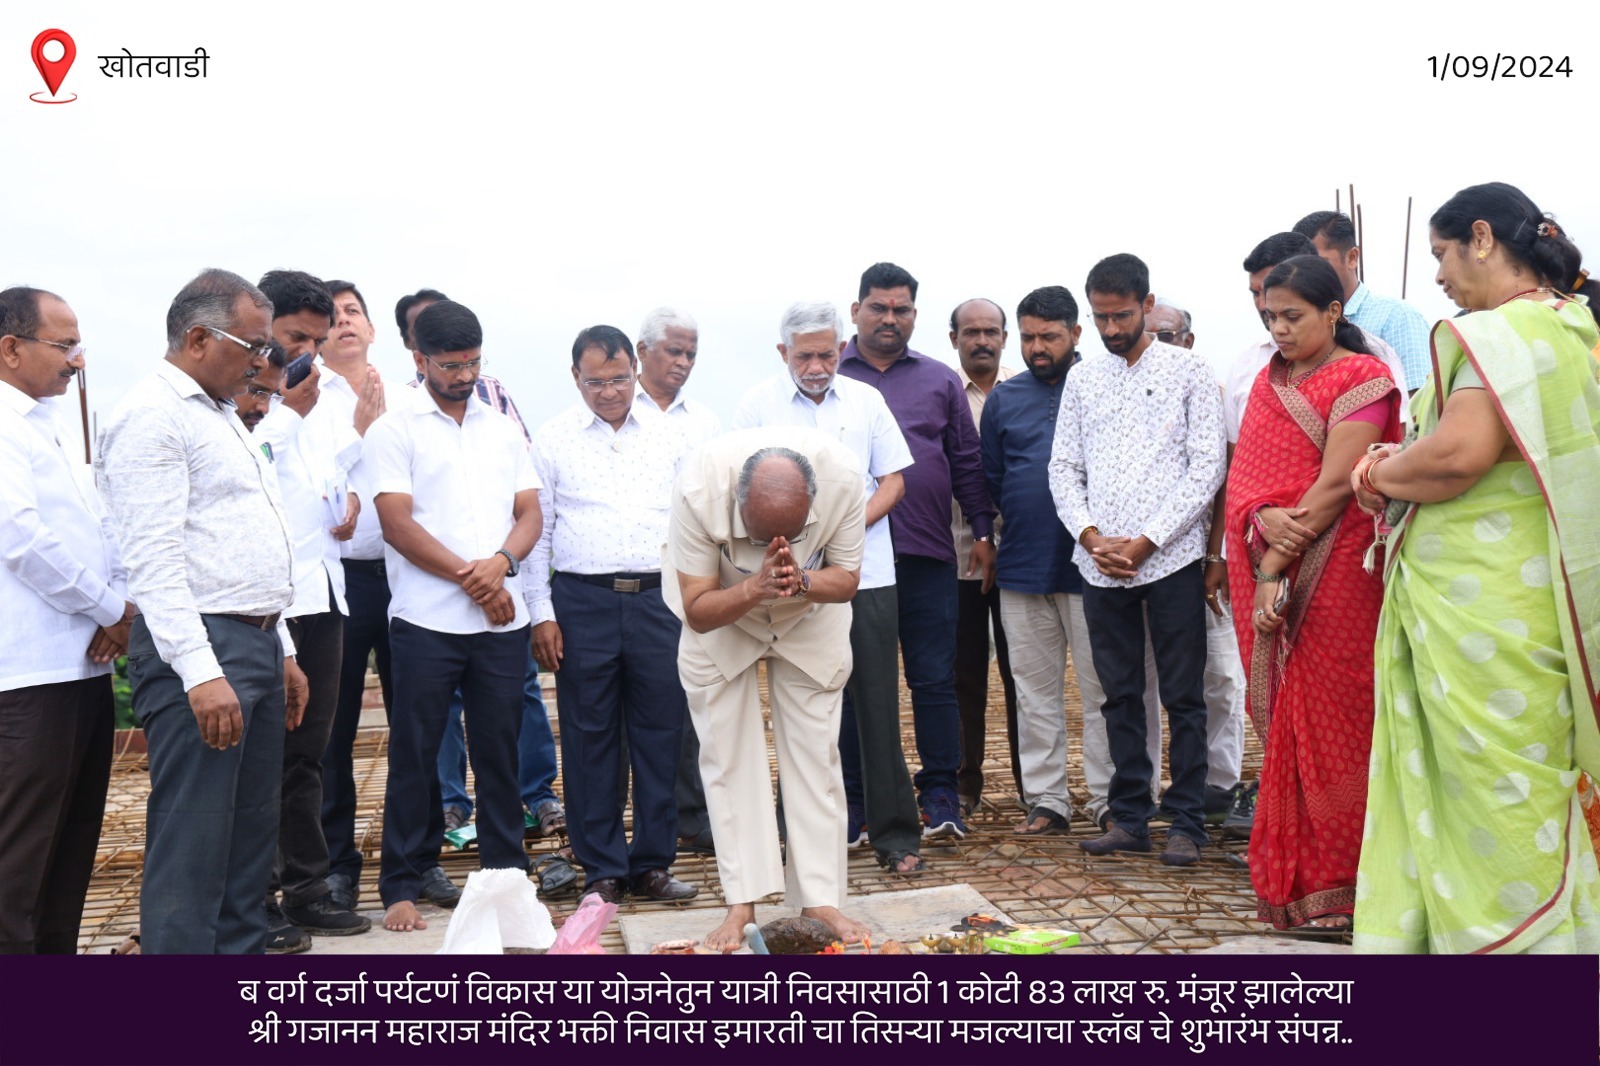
(855, 415)
(196, 507)
(697, 421)
(338, 406)
(313, 456)
(1139, 450)
(606, 495)
(461, 480)
(1247, 366)
(60, 573)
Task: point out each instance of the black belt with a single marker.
(621, 582)
(365, 566)
(257, 621)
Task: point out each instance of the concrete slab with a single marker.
(902, 916)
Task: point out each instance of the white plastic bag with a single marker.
(498, 909)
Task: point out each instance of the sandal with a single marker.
(556, 875)
(548, 820)
(1054, 823)
(893, 860)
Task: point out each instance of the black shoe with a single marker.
(322, 918)
(1242, 819)
(342, 891)
(454, 818)
(284, 938)
(1219, 802)
(607, 888)
(660, 884)
(438, 889)
(699, 843)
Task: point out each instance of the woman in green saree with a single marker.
(1488, 644)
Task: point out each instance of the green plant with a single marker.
(122, 692)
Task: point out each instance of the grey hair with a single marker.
(208, 301)
(657, 322)
(748, 471)
(1188, 322)
(810, 316)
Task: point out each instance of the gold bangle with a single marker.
(1209, 559)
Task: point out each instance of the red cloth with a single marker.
(1316, 714)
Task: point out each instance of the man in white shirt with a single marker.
(810, 394)
(353, 396)
(600, 624)
(669, 343)
(207, 547)
(314, 455)
(63, 594)
(457, 497)
(1137, 457)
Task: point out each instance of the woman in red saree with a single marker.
(1305, 609)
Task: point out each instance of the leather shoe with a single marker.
(1115, 839)
(660, 884)
(438, 889)
(607, 888)
(342, 891)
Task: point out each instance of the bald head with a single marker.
(776, 486)
(1170, 324)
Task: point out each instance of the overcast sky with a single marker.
(555, 167)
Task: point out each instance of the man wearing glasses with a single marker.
(536, 752)
(600, 623)
(62, 586)
(313, 457)
(457, 498)
(207, 547)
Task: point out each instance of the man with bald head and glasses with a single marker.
(207, 544)
(768, 529)
(64, 597)
(600, 623)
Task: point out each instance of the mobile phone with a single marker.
(297, 371)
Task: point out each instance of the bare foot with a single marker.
(1337, 923)
(846, 929)
(402, 917)
(730, 934)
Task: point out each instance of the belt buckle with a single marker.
(624, 584)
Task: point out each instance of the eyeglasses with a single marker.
(259, 393)
(766, 543)
(1166, 336)
(259, 351)
(451, 368)
(72, 350)
(601, 384)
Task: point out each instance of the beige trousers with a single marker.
(739, 799)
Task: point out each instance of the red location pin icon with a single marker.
(54, 72)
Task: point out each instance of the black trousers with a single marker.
(1175, 607)
(302, 849)
(429, 666)
(620, 669)
(55, 763)
(976, 611)
(366, 631)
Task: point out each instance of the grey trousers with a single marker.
(212, 818)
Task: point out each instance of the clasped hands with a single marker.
(111, 641)
(1369, 501)
(1118, 556)
(779, 576)
(484, 580)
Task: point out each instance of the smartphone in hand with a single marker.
(297, 371)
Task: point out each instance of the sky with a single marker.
(558, 166)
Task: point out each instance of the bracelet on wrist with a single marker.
(1086, 531)
(1209, 559)
(1262, 577)
(1366, 476)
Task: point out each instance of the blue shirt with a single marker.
(1399, 324)
(1019, 424)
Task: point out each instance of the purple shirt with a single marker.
(927, 400)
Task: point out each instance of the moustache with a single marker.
(983, 350)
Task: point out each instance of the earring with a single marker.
(1482, 255)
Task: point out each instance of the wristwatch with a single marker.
(511, 563)
(805, 585)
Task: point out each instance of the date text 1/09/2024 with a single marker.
(1499, 66)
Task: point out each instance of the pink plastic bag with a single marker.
(580, 934)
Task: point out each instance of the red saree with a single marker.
(1310, 693)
